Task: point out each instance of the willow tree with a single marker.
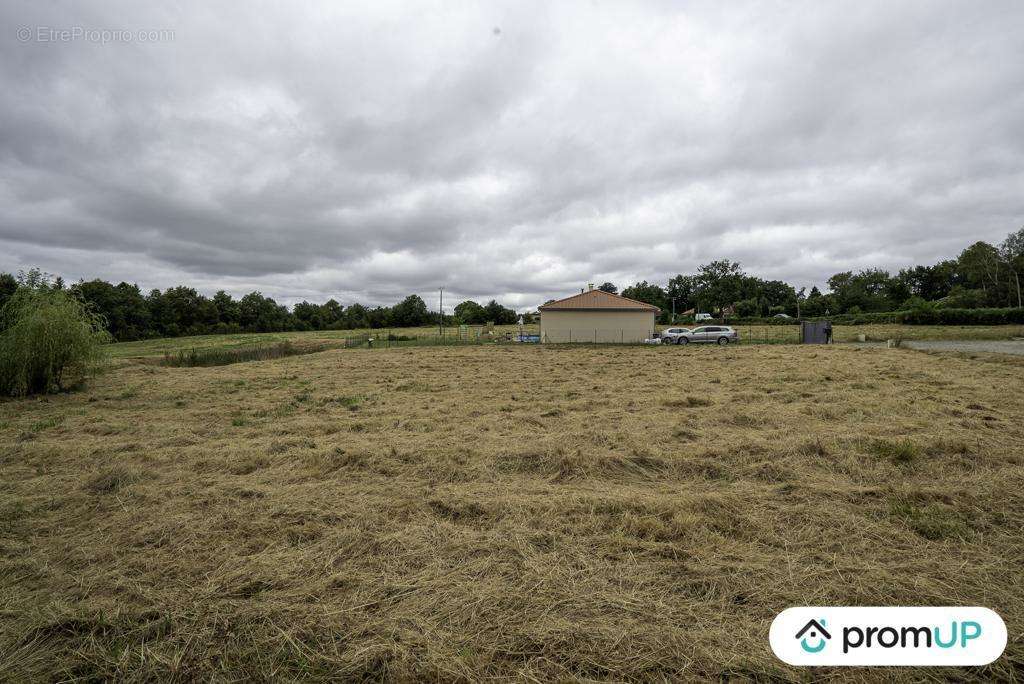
(49, 340)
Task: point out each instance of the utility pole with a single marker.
(673, 311)
(440, 311)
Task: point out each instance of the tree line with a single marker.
(983, 275)
(130, 314)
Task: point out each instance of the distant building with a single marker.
(597, 316)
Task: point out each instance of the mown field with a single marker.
(748, 333)
(519, 511)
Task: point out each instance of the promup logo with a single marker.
(817, 631)
(888, 636)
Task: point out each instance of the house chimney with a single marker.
(590, 286)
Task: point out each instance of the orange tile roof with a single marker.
(598, 299)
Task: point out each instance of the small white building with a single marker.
(597, 316)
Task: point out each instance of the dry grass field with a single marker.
(523, 512)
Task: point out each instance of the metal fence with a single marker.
(768, 334)
(479, 335)
(596, 336)
(765, 334)
(386, 339)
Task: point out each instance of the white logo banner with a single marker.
(887, 636)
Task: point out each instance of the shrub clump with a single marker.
(901, 453)
(933, 521)
(220, 356)
(49, 340)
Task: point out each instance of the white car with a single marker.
(703, 317)
(672, 335)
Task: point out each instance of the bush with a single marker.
(49, 339)
(962, 316)
(740, 320)
(866, 318)
(916, 303)
(962, 298)
(936, 316)
(223, 356)
(928, 314)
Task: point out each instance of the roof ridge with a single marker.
(597, 294)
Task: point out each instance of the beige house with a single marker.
(597, 316)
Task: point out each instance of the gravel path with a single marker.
(1014, 347)
(998, 347)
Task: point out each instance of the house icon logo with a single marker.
(814, 631)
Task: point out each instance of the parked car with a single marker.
(703, 317)
(780, 315)
(719, 334)
(671, 335)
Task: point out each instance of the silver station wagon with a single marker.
(717, 334)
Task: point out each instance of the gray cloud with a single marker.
(365, 153)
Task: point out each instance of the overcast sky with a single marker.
(518, 150)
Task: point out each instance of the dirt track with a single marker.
(989, 346)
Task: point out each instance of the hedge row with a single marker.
(936, 317)
(962, 316)
(839, 319)
(914, 317)
(868, 318)
(762, 321)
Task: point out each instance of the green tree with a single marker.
(262, 314)
(8, 284)
(650, 294)
(719, 284)
(122, 307)
(470, 313)
(333, 313)
(682, 289)
(961, 297)
(646, 292)
(308, 315)
(356, 316)
(410, 312)
(501, 315)
(897, 291)
(188, 311)
(50, 339)
(866, 290)
(228, 311)
(379, 317)
(774, 294)
(160, 315)
(930, 283)
(748, 308)
(980, 267)
(608, 287)
(1012, 251)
